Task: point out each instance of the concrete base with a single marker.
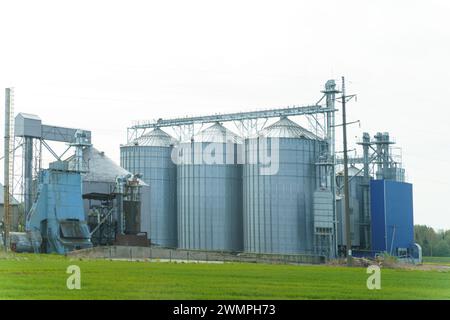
(173, 255)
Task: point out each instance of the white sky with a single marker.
(99, 65)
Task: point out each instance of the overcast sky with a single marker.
(99, 65)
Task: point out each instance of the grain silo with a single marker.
(150, 155)
(209, 182)
(278, 213)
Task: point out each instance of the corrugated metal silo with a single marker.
(278, 208)
(150, 155)
(209, 182)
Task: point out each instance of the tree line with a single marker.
(433, 243)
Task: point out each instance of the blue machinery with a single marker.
(58, 212)
(56, 221)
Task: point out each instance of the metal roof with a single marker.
(155, 138)
(100, 167)
(217, 133)
(285, 128)
(29, 116)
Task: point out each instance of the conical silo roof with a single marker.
(285, 128)
(99, 167)
(217, 133)
(154, 138)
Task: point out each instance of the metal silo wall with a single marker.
(209, 204)
(278, 213)
(159, 171)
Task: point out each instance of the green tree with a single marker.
(442, 249)
(433, 243)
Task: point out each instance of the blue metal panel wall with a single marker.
(378, 215)
(392, 215)
(59, 199)
(64, 194)
(399, 215)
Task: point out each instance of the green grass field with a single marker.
(437, 260)
(44, 277)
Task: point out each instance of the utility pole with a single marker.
(6, 206)
(346, 188)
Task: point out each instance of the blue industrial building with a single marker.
(392, 220)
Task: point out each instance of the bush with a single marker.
(442, 249)
(386, 260)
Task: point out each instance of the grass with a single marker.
(44, 277)
(437, 260)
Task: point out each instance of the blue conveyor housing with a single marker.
(58, 212)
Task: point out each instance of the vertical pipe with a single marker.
(366, 144)
(387, 162)
(346, 187)
(330, 91)
(380, 159)
(28, 174)
(6, 213)
(120, 224)
(366, 195)
(120, 194)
